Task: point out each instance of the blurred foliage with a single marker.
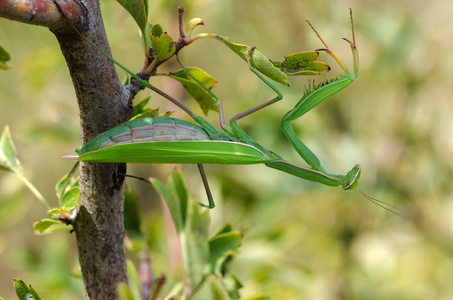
(303, 240)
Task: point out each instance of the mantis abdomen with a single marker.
(165, 140)
(146, 130)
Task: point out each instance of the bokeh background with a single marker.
(302, 240)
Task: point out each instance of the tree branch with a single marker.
(44, 12)
(103, 103)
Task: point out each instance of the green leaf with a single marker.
(124, 292)
(69, 201)
(168, 194)
(139, 107)
(175, 292)
(221, 247)
(138, 9)
(67, 181)
(4, 58)
(163, 45)
(194, 243)
(157, 30)
(133, 280)
(181, 192)
(147, 113)
(166, 114)
(232, 285)
(140, 111)
(48, 225)
(224, 229)
(206, 100)
(191, 24)
(25, 291)
(214, 289)
(302, 63)
(257, 60)
(8, 157)
(126, 79)
(132, 218)
(191, 223)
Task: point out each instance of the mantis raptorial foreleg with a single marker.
(313, 96)
(316, 95)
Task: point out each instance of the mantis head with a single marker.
(350, 183)
(352, 178)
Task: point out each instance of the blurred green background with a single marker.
(303, 240)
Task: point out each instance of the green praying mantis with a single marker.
(171, 140)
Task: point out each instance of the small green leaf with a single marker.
(133, 280)
(191, 24)
(206, 101)
(138, 9)
(126, 79)
(4, 58)
(132, 218)
(221, 247)
(157, 30)
(302, 63)
(194, 242)
(8, 157)
(232, 285)
(191, 223)
(124, 292)
(257, 60)
(224, 229)
(66, 182)
(147, 113)
(166, 114)
(140, 111)
(162, 43)
(48, 225)
(181, 192)
(25, 291)
(168, 194)
(215, 289)
(69, 201)
(146, 37)
(139, 107)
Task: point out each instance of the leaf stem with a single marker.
(201, 36)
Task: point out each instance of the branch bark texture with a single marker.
(103, 103)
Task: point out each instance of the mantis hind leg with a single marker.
(262, 105)
(211, 203)
(237, 131)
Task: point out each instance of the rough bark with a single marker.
(103, 104)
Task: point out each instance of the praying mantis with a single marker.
(171, 140)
